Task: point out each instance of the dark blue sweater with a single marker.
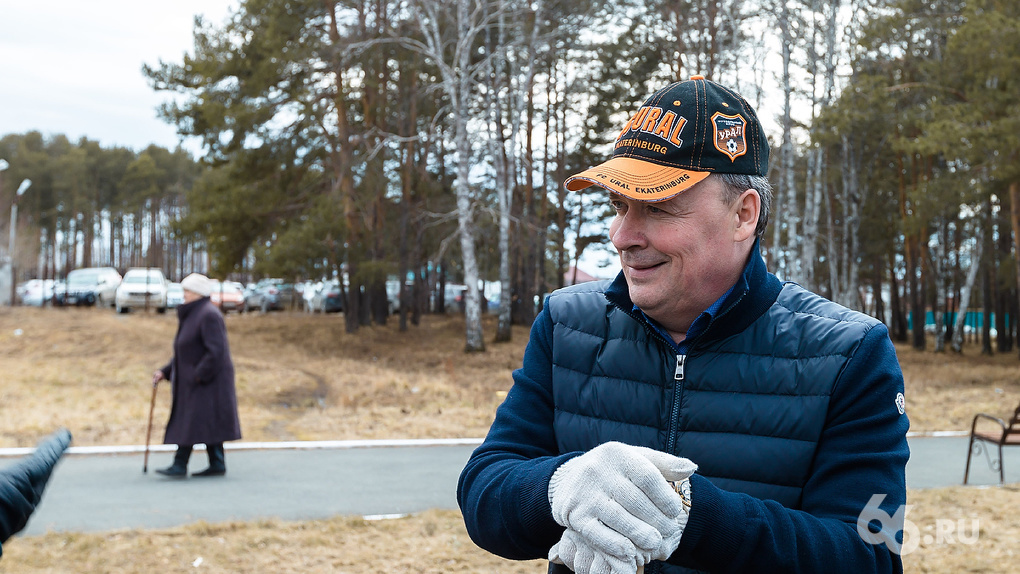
(755, 508)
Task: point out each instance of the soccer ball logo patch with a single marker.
(729, 134)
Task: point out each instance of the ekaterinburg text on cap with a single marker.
(681, 134)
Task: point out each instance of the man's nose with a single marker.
(628, 231)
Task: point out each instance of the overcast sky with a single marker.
(75, 67)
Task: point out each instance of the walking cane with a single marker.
(148, 433)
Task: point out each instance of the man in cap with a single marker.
(694, 414)
(204, 409)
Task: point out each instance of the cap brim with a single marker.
(637, 179)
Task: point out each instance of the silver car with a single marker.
(142, 288)
(174, 295)
(90, 286)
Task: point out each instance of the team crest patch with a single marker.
(729, 134)
(901, 403)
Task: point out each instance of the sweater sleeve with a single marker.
(22, 484)
(862, 453)
(503, 489)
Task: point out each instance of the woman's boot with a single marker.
(179, 469)
(217, 463)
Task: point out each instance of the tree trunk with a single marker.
(939, 297)
(854, 197)
(961, 314)
(402, 248)
(916, 297)
(1002, 292)
(876, 289)
(785, 198)
(812, 215)
(899, 320)
(986, 297)
(341, 160)
(1014, 211)
(457, 83)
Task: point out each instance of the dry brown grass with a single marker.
(302, 377)
(431, 542)
(942, 514)
(435, 542)
(945, 390)
(299, 377)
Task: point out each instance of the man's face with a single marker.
(680, 255)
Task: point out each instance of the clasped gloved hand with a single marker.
(22, 484)
(574, 552)
(619, 510)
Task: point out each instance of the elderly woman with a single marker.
(204, 407)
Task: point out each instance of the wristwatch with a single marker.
(683, 488)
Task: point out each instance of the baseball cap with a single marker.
(680, 135)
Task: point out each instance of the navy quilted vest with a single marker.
(752, 402)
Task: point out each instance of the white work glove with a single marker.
(574, 552)
(617, 499)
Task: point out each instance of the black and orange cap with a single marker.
(680, 135)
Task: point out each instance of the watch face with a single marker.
(683, 488)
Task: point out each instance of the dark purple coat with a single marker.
(204, 407)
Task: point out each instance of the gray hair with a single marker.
(738, 183)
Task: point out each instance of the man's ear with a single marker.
(746, 210)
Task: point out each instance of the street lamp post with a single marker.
(14, 228)
(3, 167)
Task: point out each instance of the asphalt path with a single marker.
(302, 481)
(108, 492)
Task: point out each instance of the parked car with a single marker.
(454, 297)
(227, 297)
(289, 296)
(269, 295)
(89, 286)
(174, 295)
(35, 292)
(393, 294)
(142, 287)
(326, 298)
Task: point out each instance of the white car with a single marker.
(174, 295)
(142, 288)
(35, 292)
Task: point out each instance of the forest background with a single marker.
(428, 139)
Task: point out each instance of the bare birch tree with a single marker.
(968, 285)
(512, 76)
(823, 65)
(452, 55)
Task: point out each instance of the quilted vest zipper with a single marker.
(680, 373)
(674, 416)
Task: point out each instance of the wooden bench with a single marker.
(1004, 435)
